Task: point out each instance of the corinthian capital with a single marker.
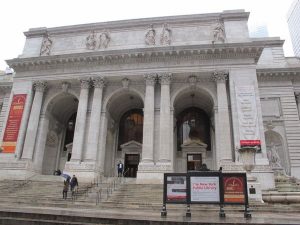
(165, 78)
(85, 83)
(98, 82)
(150, 79)
(220, 76)
(40, 86)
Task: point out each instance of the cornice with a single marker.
(125, 24)
(143, 55)
(284, 73)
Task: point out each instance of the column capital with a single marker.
(85, 83)
(98, 82)
(150, 79)
(165, 78)
(220, 76)
(40, 86)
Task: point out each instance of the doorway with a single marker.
(131, 165)
(194, 162)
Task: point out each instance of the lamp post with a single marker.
(247, 155)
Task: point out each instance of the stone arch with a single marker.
(199, 102)
(276, 151)
(58, 109)
(203, 91)
(115, 105)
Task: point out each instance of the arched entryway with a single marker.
(61, 113)
(194, 130)
(124, 116)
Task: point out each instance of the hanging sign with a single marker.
(247, 116)
(13, 123)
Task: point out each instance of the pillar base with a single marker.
(151, 173)
(84, 171)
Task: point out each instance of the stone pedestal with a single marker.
(254, 190)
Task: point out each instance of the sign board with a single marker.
(175, 188)
(13, 123)
(247, 116)
(235, 188)
(204, 187)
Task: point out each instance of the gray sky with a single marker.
(17, 16)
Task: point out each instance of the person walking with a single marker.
(65, 189)
(74, 184)
(120, 167)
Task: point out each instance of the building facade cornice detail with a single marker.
(282, 74)
(153, 54)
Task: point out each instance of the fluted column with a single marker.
(93, 135)
(148, 126)
(223, 138)
(28, 149)
(102, 143)
(80, 121)
(164, 121)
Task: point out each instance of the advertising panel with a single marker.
(13, 123)
(176, 189)
(205, 189)
(235, 188)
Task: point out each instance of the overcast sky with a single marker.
(17, 16)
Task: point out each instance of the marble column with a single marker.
(102, 143)
(165, 116)
(22, 132)
(41, 143)
(80, 121)
(148, 126)
(223, 136)
(34, 118)
(94, 129)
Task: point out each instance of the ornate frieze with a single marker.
(40, 86)
(150, 79)
(91, 41)
(219, 32)
(165, 78)
(98, 82)
(150, 36)
(220, 76)
(104, 39)
(85, 83)
(166, 35)
(46, 46)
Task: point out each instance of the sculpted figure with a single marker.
(273, 157)
(46, 46)
(165, 38)
(150, 36)
(91, 41)
(104, 39)
(219, 32)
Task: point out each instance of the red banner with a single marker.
(13, 123)
(234, 189)
(250, 143)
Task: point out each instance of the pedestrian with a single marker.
(65, 189)
(74, 184)
(120, 167)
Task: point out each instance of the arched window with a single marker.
(131, 127)
(193, 123)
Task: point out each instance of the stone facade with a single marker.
(163, 66)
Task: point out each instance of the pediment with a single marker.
(132, 145)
